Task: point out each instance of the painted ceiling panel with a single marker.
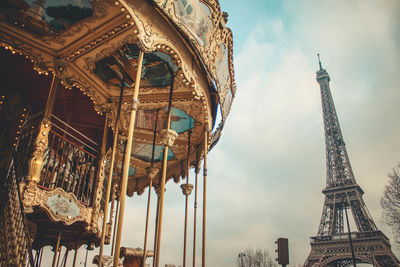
(156, 68)
(180, 120)
(144, 151)
(42, 17)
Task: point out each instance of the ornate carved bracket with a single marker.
(186, 189)
(168, 137)
(152, 172)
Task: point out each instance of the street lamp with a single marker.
(241, 256)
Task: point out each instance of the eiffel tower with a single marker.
(333, 246)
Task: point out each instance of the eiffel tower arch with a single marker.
(343, 199)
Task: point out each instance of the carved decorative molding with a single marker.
(36, 162)
(168, 137)
(96, 222)
(58, 204)
(186, 189)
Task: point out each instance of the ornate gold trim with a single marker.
(58, 204)
(36, 162)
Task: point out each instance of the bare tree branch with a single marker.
(258, 258)
(390, 203)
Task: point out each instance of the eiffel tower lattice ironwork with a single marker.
(333, 246)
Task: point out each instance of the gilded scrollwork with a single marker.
(94, 224)
(168, 137)
(36, 162)
(186, 189)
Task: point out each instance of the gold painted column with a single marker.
(56, 249)
(186, 190)
(124, 182)
(115, 226)
(197, 170)
(203, 254)
(168, 136)
(107, 238)
(75, 254)
(110, 176)
(151, 172)
(157, 190)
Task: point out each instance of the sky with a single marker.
(266, 174)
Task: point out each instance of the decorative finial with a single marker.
(319, 61)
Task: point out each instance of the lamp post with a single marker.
(241, 256)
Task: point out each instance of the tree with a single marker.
(258, 258)
(390, 203)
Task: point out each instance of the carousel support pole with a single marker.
(197, 170)
(56, 250)
(87, 252)
(51, 97)
(112, 204)
(156, 223)
(37, 257)
(160, 210)
(124, 182)
(151, 172)
(35, 260)
(118, 202)
(115, 227)
(40, 259)
(75, 255)
(186, 190)
(65, 258)
(147, 218)
(203, 252)
(36, 162)
(110, 176)
(59, 255)
(169, 137)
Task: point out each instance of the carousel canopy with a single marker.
(93, 46)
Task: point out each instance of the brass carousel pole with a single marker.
(110, 176)
(75, 254)
(203, 252)
(197, 170)
(170, 137)
(113, 186)
(59, 255)
(124, 182)
(115, 226)
(118, 202)
(156, 223)
(152, 172)
(186, 190)
(56, 250)
(40, 259)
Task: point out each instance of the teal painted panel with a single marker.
(180, 120)
(143, 151)
(63, 206)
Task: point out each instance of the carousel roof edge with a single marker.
(206, 49)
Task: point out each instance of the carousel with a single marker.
(101, 100)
